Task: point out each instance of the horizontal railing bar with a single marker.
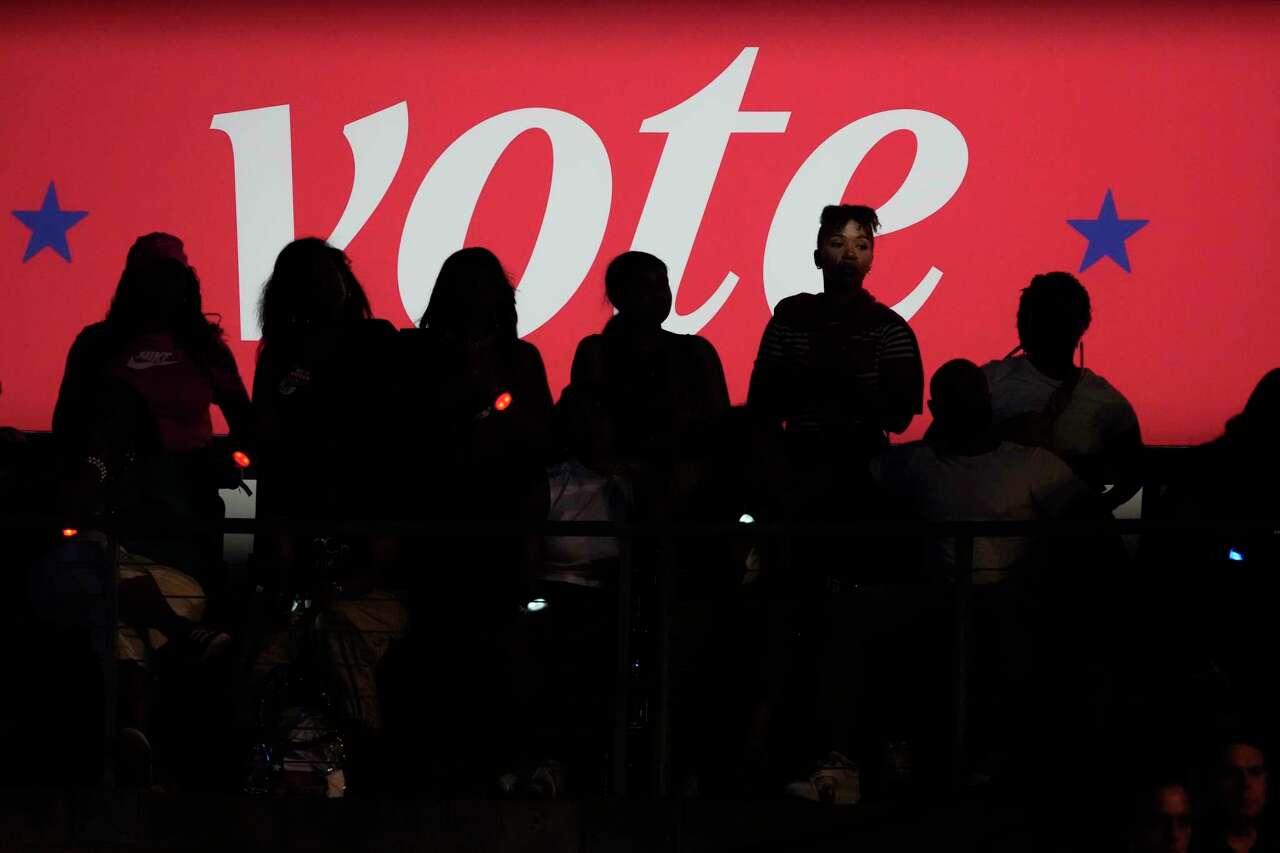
(871, 528)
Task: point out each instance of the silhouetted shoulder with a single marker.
(999, 368)
(895, 468)
(698, 346)
(883, 315)
(798, 310)
(527, 353)
(591, 345)
(92, 332)
(91, 340)
(588, 361)
(1115, 411)
(373, 331)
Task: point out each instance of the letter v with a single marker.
(263, 167)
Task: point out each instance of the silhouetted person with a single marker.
(478, 429)
(1227, 586)
(160, 357)
(1233, 476)
(837, 370)
(323, 396)
(661, 393)
(1236, 800)
(480, 417)
(964, 472)
(1042, 398)
(133, 416)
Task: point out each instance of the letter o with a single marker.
(572, 226)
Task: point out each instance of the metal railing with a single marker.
(668, 536)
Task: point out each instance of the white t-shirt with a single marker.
(579, 494)
(1010, 483)
(1094, 417)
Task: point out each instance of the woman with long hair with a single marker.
(478, 427)
(323, 394)
(483, 411)
(133, 408)
(133, 420)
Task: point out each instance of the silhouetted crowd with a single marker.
(406, 619)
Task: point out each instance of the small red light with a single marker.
(503, 402)
(69, 532)
(784, 426)
(241, 459)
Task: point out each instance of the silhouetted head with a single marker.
(1163, 816)
(473, 298)
(1238, 780)
(312, 291)
(160, 293)
(1259, 423)
(636, 284)
(846, 244)
(155, 246)
(960, 401)
(1053, 314)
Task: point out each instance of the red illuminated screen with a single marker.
(562, 135)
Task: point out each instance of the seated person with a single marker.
(570, 623)
(1236, 801)
(1163, 817)
(962, 472)
(1042, 399)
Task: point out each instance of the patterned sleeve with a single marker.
(897, 342)
(783, 345)
(901, 376)
(767, 391)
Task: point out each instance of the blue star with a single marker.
(1106, 235)
(49, 226)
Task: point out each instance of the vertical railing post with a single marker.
(111, 685)
(622, 665)
(961, 657)
(662, 664)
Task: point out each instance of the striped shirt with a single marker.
(837, 373)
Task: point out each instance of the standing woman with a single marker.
(477, 430)
(482, 412)
(136, 395)
(133, 419)
(322, 397)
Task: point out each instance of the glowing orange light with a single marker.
(69, 532)
(503, 401)
(241, 458)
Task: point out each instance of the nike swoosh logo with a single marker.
(134, 364)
